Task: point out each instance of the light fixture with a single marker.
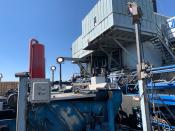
(135, 11)
(53, 68)
(130, 7)
(60, 60)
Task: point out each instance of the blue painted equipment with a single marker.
(161, 85)
(163, 99)
(75, 114)
(163, 69)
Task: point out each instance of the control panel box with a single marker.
(97, 80)
(40, 91)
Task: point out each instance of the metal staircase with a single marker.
(166, 48)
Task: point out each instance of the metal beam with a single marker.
(82, 67)
(22, 102)
(109, 56)
(146, 121)
(124, 49)
(74, 59)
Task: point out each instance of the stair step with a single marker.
(155, 38)
(157, 44)
(162, 44)
(157, 112)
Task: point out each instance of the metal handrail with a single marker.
(165, 42)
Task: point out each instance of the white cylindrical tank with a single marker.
(171, 28)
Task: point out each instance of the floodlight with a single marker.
(60, 60)
(133, 8)
(53, 68)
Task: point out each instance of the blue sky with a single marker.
(166, 7)
(55, 23)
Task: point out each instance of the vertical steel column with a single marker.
(52, 69)
(109, 61)
(52, 75)
(139, 57)
(60, 60)
(146, 121)
(142, 89)
(60, 76)
(22, 102)
(136, 12)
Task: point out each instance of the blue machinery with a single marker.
(73, 112)
(75, 115)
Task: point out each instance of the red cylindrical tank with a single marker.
(37, 60)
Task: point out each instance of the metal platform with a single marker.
(70, 96)
(121, 34)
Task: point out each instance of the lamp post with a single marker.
(53, 68)
(1, 76)
(60, 60)
(136, 13)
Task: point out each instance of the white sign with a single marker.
(171, 23)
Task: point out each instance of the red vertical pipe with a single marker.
(37, 60)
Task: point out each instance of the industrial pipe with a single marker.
(22, 102)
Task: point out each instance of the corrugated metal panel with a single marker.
(118, 8)
(151, 54)
(159, 19)
(100, 28)
(123, 19)
(78, 46)
(160, 22)
(101, 10)
(82, 53)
